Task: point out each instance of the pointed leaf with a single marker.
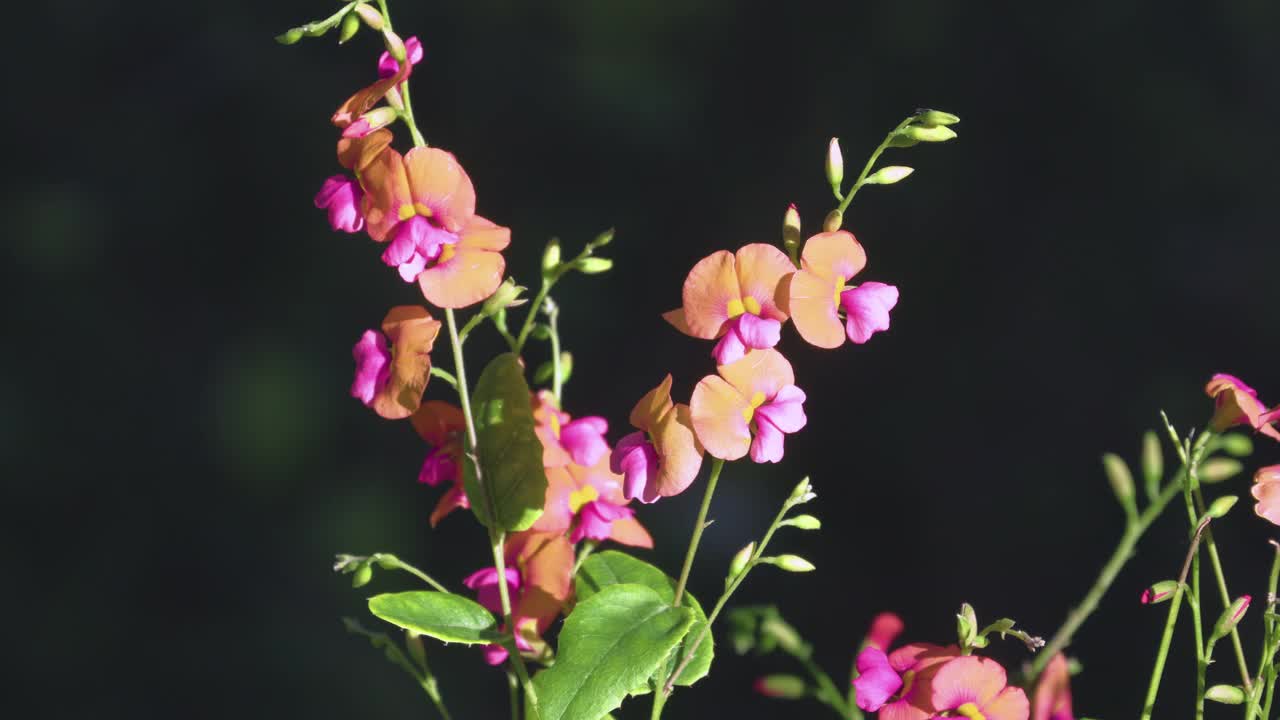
(514, 482)
(443, 616)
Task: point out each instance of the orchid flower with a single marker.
(664, 457)
(1235, 403)
(1053, 692)
(392, 381)
(750, 405)
(735, 297)
(441, 425)
(899, 685)
(816, 293)
(976, 688)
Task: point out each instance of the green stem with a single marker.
(513, 650)
(393, 562)
(1124, 550)
(531, 316)
(1157, 672)
(513, 692)
(827, 692)
(1271, 688)
(588, 547)
(1225, 596)
(471, 325)
(421, 674)
(557, 382)
(698, 527)
(1265, 661)
(444, 375)
(866, 169)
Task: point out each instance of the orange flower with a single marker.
(392, 382)
(735, 297)
(364, 99)
(441, 425)
(816, 293)
(751, 404)
(1235, 403)
(589, 501)
(1266, 490)
(664, 457)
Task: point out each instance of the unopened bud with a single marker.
(361, 576)
(375, 119)
(602, 239)
(1231, 617)
(931, 118)
(350, 24)
(394, 44)
(413, 641)
(1159, 592)
(507, 295)
(740, 560)
(792, 563)
(1226, 694)
(1220, 507)
(888, 175)
(936, 133)
(804, 522)
(967, 624)
(786, 687)
(801, 490)
(290, 36)
(551, 256)
(833, 221)
(593, 265)
(835, 164)
(1215, 470)
(1119, 477)
(791, 226)
(1236, 444)
(1152, 462)
(370, 16)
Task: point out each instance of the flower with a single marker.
(885, 628)
(388, 66)
(900, 685)
(392, 382)
(1235, 403)
(588, 503)
(975, 688)
(816, 293)
(565, 440)
(423, 203)
(341, 195)
(364, 99)
(355, 154)
(1053, 692)
(485, 582)
(441, 425)
(1266, 490)
(544, 565)
(735, 297)
(751, 404)
(664, 457)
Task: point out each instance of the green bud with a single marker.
(394, 44)
(888, 175)
(835, 164)
(1120, 478)
(775, 631)
(833, 221)
(783, 687)
(361, 576)
(1236, 444)
(290, 36)
(1152, 463)
(413, 642)
(551, 257)
(1159, 592)
(387, 561)
(541, 332)
(593, 265)
(901, 140)
(544, 371)
(317, 29)
(791, 563)
(350, 24)
(1231, 617)
(601, 240)
(1215, 470)
(804, 522)
(791, 227)
(966, 625)
(1220, 507)
(740, 560)
(1226, 694)
(507, 295)
(370, 16)
(937, 133)
(931, 118)
(802, 493)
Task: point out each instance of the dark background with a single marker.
(183, 458)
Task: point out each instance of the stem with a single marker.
(1133, 532)
(698, 527)
(1157, 673)
(444, 375)
(588, 547)
(1268, 649)
(1271, 688)
(513, 691)
(827, 691)
(557, 383)
(421, 674)
(471, 325)
(517, 662)
(1226, 602)
(533, 314)
(866, 169)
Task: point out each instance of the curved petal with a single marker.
(1053, 691)
(711, 285)
(760, 371)
(412, 333)
(730, 348)
(453, 499)
(717, 414)
(438, 422)
(584, 439)
(386, 192)
(1268, 496)
(766, 445)
(903, 710)
(372, 366)
(545, 561)
(355, 154)
(812, 302)
(761, 269)
(440, 184)
(759, 333)
(466, 278)
(968, 679)
(637, 461)
(607, 483)
(785, 410)
(876, 681)
(1010, 704)
(484, 234)
(677, 320)
(867, 307)
(629, 531)
(885, 628)
(557, 515)
(679, 452)
(833, 254)
(365, 98)
(655, 403)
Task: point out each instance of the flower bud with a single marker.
(361, 576)
(1226, 694)
(413, 641)
(835, 164)
(601, 240)
(804, 522)
(1159, 592)
(931, 118)
(801, 491)
(740, 560)
(888, 175)
(937, 133)
(1236, 444)
(786, 687)
(1152, 462)
(350, 24)
(394, 44)
(791, 563)
(507, 295)
(375, 119)
(544, 372)
(833, 221)
(1215, 470)
(290, 36)
(551, 256)
(1231, 617)
(1220, 507)
(791, 227)
(1119, 477)
(966, 625)
(593, 265)
(370, 16)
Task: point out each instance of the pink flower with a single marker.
(664, 457)
(388, 66)
(900, 685)
(564, 440)
(392, 382)
(817, 292)
(751, 405)
(1235, 403)
(485, 584)
(975, 687)
(596, 518)
(877, 681)
(867, 309)
(588, 502)
(341, 195)
(1053, 692)
(373, 366)
(1266, 490)
(885, 628)
(496, 654)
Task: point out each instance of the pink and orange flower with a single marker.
(392, 381)
(749, 406)
(664, 457)
(1266, 490)
(539, 579)
(442, 426)
(565, 440)
(735, 297)
(1235, 403)
(977, 688)
(587, 502)
(1053, 692)
(899, 685)
(817, 294)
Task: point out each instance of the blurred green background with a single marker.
(182, 458)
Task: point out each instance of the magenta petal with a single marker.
(876, 681)
(758, 333)
(595, 520)
(387, 65)
(730, 348)
(485, 583)
(494, 654)
(584, 440)
(439, 467)
(766, 446)
(341, 195)
(373, 366)
(867, 307)
(403, 245)
(637, 460)
(785, 410)
(412, 268)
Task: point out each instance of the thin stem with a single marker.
(513, 692)
(1268, 650)
(517, 662)
(588, 547)
(407, 113)
(1271, 688)
(474, 321)
(698, 527)
(444, 375)
(557, 382)
(420, 673)
(531, 316)
(827, 691)
(1157, 672)
(866, 170)
(1221, 581)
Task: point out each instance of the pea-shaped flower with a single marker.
(664, 457)
(817, 295)
(392, 381)
(749, 406)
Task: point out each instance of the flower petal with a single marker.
(655, 403)
(967, 679)
(438, 182)
(760, 371)
(717, 414)
(867, 308)
(545, 561)
(584, 439)
(759, 333)
(386, 191)
(767, 444)
(730, 348)
(711, 285)
(412, 333)
(372, 366)
(833, 254)
(1010, 704)
(453, 499)
(679, 452)
(761, 269)
(811, 300)
(1053, 691)
(465, 279)
(438, 422)
(557, 515)
(1268, 496)
(677, 320)
(876, 681)
(785, 410)
(628, 531)
(355, 154)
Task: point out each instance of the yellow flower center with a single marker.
(423, 210)
(756, 401)
(555, 417)
(738, 306)
(751, 304)
(405, 212)
(839, 287)
(970, 711)
(582, 496)
(446, 253)
(908, 679)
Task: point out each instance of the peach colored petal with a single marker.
(365, 98)
(830, 254)
(453, 499)
(1010, 704)
(439, 183)
(903, 710)
(437, 421)
(716, 411)
(484, 234)
(607, 483)
(557, 516)
(812, 302)
(654, 404)
(967, 679)
(412, 333)
(356, 153)
(678, 321)
(1053, 691)
(545, 561)
(679, 452)
(465, 279)
(386, 190)
(763, 371)
(708, 290)
(629, 531)
(761, 269)
(1267, 494)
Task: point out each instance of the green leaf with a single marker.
(515, 484)
(611, 567)
(611, 643)
(443, 616)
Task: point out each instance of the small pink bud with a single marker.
(787, 687)
(1231, 617)
(375, 119)
(1159, 592)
